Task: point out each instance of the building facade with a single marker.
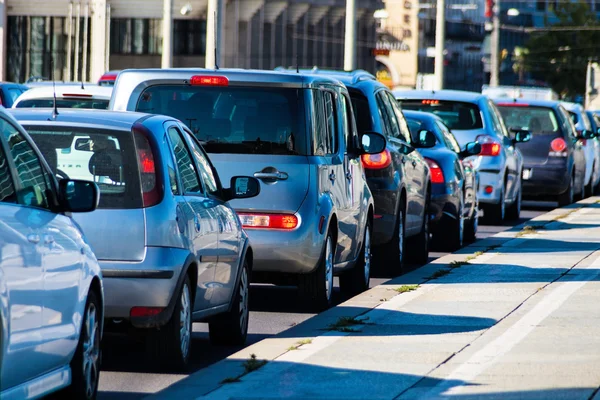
(80, 40)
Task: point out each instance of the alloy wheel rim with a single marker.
(401, 236)
(91, 350)
(184, 320)
(244, 291)
(367, 255)
(328, 268)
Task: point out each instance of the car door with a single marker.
(21, 261)
(197, 215)
(230, 230)
(514, 158)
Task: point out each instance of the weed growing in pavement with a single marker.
(406, 288)
(230, 380)
(300, 343)
(439, 273)
(565, 215)
(346, 324)
(530, 230)
(252, 364)
(458, 264)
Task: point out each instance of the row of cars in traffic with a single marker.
(118, 219)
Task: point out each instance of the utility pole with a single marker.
(214, 24)
(495, 45)
(167, 30)
(440, 39)
(350, 40)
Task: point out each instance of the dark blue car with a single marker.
(454, 181)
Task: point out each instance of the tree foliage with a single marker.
(560, 57)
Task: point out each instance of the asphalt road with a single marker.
(125, 374)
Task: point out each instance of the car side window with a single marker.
(31, 176)
(404, 131)
(185, 165)
(325, 142)
(568, 124)
(349, 124)
(392, 120)
(7, 188)
(384, 115)
(448, 137)
(206, 172)
(497, 119)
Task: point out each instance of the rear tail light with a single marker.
(558, 148)
(437, 175)
(145, 311)
(150, 180)
(268, 221)
(489, 146)
(377, 161)
(208, 80)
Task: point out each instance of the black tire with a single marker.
(566, 198)
(391, 255)
(495, 213)
(231, 328)
(589, 188)
(357, 279)
(472, 225)
(316, 288)
(513, 212)
(420, 243)
(84, 384)
(452, 234)
(170, 346)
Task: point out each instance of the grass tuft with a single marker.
(230, 380)
(439, 273)
(300, 343)
(347, 324)
(252, 364)
(406, 288)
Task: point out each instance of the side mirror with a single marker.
(587, 134)
(242, 187)
(521, 136)
(426, 139)
(471, 149)
(372, 142)
(77, 195)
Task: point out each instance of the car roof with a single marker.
(573, 107)
(421, 115)
(503, 101)
(104, 118)
(456, 95)
(348, 78)
(62, 91)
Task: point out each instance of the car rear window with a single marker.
(97, 104)
(240, 120)
(362, 112)
(458, 115)
(106, 157)
(538, 120)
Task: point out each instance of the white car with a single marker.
(67, 96)
(51, 293)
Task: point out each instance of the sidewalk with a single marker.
(513, 316)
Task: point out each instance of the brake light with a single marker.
(377, 161)
(558, 148)
(437, 175)
(489, 146)
(207, 80)
(268, 221)
(430, 102)
(150, 180)
(86, 95)
(145, 311)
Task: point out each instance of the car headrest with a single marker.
(257, 127)
(106, 163)
(535, 125)
(217, 128)
(465, 118)
(49, 153)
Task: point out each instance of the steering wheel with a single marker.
(61, 174)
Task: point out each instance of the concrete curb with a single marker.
(209, 379)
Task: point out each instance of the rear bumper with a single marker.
(442, 206)
(546, 181)
(149, 283)
(385, 198)
(384, 226)
(493, 180)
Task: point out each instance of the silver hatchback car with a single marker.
(296, 133)
(171, 249)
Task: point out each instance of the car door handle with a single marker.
(33, 238)
(403, 160)
(414, 163)
(278, 176)
(332, 176)
(196, 223)
(348, 175)
(48, 239)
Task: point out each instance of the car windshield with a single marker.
(458, 115)
(539, 120)
(242, 120)
(106, 157)
(98, 104)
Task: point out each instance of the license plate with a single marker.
(527, 174)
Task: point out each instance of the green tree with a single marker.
(560, 57)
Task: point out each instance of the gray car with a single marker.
(171, 249)
(474, 117)
(296, 133)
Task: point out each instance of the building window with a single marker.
(189, 37)
(541, 5)
(135, 36)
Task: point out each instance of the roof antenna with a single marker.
(82, 87)
(297, 64)
(54, 107)
(216, 41)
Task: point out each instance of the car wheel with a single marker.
(316, 288)
(568, 196)
(357, 279)
(420, 244)
(472, 225)
(391, 256)
(495, 213)
(231, 328)
(589, 188)
(513, 211)
(453, 237)
(170, 345)
(85, 365)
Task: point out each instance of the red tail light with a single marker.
(268, 221)
(558, 147)
(144, 311)
(201, 80)
(437, 175)
(377, 161)
(150, 180)
(489, 146)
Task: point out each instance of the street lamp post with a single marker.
(440, 36)
(495, 45)
(350, 40)
(214, 18)
(167, 46)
